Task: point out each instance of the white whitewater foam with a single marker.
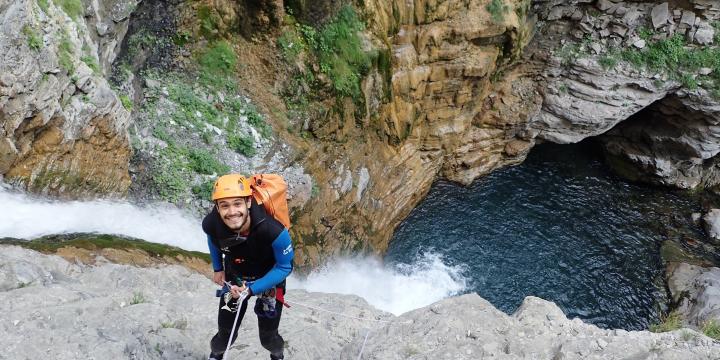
(28, 217)
(396, 289)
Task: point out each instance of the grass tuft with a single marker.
(34, 41)
(669, 322)
(73, 8)
(497, 10)
(711, 328)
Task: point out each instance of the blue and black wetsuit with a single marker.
(263, 259)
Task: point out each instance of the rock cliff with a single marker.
(51, 307)
(64, 129)
(453, 89)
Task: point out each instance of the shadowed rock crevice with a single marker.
(674, 142)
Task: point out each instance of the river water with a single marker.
(559, 226)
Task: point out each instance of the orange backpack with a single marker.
(270, 190)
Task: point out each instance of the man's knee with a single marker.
(271, 340)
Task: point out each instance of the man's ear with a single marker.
(248, 202)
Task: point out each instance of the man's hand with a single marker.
(236, 290)
(219, 277)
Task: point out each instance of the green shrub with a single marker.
(241, 144)
(204, 190)
(208, 22)
(65, 51)
(141, 40)
(497, 10)
(568, 53)
(44, 5)
(138, 298)
(669, 322)
(126, 102)
(608, 61)
(34, 40)
(711, 328)
(168, 177)
(339, 50)
(256, 120)
(217, 64)
(160, 132)
(190, 105)
(203, 162)
(73, 8)
(91, 63)
(291, 45)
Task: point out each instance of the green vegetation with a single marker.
(669, 322)
(217, 64)
(337, 47)
(497, 9)
(177, 324)
(34, 40)
(568, 53)
(671, 56)
(208, 22)
(51, 243)
(204, 190)
(65, 51)
(291, 44)
(711, 328)
(609, 60)
(241, 144)
(182, 38)
(138, 298)
(73, 8)
(142, 40)
(562, 88)
(202, 162)
(91, 63)
(126, 102)
(44, 5)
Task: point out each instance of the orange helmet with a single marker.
(231, 185)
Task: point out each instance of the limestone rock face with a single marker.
(52, 308)
(431, 112)
(697, 292)
(537, 330)
(64, 131)
(711, 223)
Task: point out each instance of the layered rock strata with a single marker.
(63, 310)
(676, 142)
(64, 131)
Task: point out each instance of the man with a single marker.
(250, 250)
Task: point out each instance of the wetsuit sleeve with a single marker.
(283, 251)
(215, 255)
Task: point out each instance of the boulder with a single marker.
(660, 14)
(697, 291)
(704, 34)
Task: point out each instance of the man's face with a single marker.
(234, 211)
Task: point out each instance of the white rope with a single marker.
(335, 313)
(363, 345)
(240, 300)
